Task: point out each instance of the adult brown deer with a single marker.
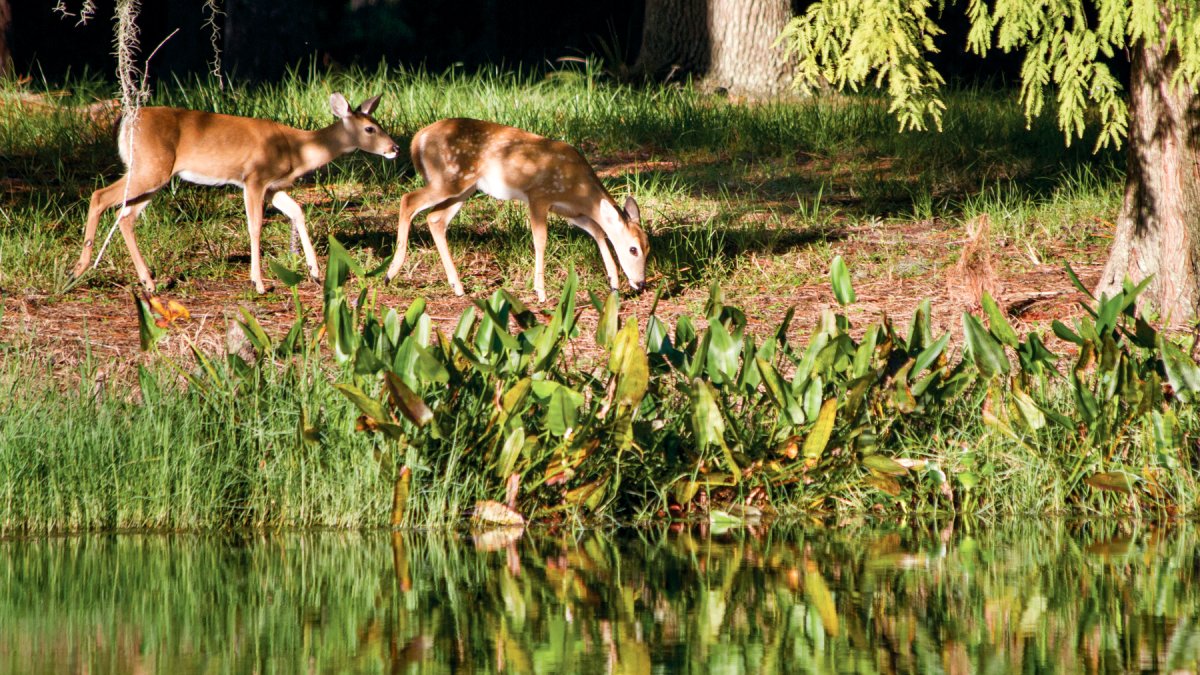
(456, 157)
(262, 157)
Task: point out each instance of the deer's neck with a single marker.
(320, 147)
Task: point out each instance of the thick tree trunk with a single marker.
(725, 44)
(675, 40)
(1158, 228)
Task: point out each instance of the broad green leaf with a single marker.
(839, 276)
(920, 331)
(1107, 313)
(779, 393)
(865, 353)
(515, 395)
(427, 368)
(930, 354)
(369, 406)
(999, 323)
(513, 444)
(884, 465)
(1063, 332)
(723, 354)
(562, 411)
(1182, 372)
(288, 277)
(255, 333)
(607, 327)
(987, 354)
(365, 361)
(708, 423)
(902, 396)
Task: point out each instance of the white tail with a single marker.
(262, 157)
(456, 157)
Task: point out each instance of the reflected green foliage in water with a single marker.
(1054, 598)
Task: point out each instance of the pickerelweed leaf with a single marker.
(1000, 326)
(986, 352)
(1182, 372)
(839, 277)
(406, 400)
(1112, 481)
(822, 430)
(286, 276)
(1063, 332)
(884, 465)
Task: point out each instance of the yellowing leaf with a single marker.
(818, 437)
(820, 597)
(1111, 481)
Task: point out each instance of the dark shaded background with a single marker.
(261, 38)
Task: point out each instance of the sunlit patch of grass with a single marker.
(721, 184)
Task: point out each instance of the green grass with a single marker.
(767, 177)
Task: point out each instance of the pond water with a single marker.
(847, 597)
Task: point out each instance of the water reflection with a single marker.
(1036, 598)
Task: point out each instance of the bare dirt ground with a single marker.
(102, 322)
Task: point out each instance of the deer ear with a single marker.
(631, 210)
(368, 105)
(339, 106)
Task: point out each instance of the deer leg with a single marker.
(254, 195)
(126, 221)
(295, 213)
(439, 221)
(410, 205)
(102, 200)
(588, 225)
(537, 223)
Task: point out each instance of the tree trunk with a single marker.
(6, 62)
(675, 40)
(1158, 228)
(725, 44)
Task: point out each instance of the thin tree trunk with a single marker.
(724, 44)
(6, 62)
(1158, 228)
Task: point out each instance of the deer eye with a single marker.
(369, 130)
(633, 251)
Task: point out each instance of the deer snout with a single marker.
(392, 152)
